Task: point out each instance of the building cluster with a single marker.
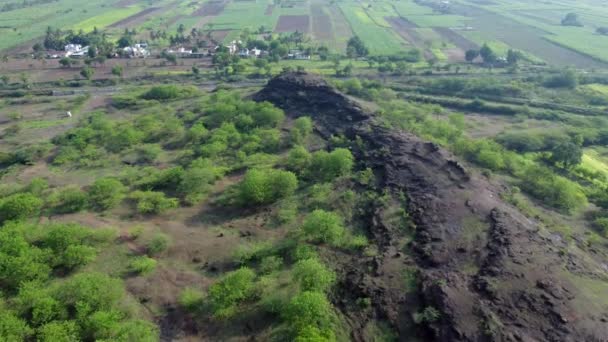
(141, 50)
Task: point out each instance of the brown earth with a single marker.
(456, 39)
(211, 8)
(407, 30)
(321, 24)
(493, 274)
(292, 23)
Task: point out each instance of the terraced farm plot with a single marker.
(340, 28)
(138, 18)
(106, 19)
(380, 40)
(522, 37)
(25, 24)
(321, 24)
(211, 8)
(293, 23)
(241, 15)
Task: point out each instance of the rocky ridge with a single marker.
(493, 274)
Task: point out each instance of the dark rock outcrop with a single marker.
(493, 274)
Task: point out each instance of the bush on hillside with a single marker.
(326, 166)
(106, 193)
(228, 292)
(266, 186)
(323, 226)
(19, 207)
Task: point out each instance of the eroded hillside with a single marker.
(491, 272)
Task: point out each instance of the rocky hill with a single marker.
(492, 273)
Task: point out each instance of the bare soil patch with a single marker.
(292, 23)
(321, 24)
(211, 8)
(456, 39)
(407, 30)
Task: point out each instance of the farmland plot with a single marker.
(292, 23)
(380, 40)
(523, 37)
(321, 24)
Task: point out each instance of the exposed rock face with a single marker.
(491, 272)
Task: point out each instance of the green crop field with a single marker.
(380, 40)
(106, 18)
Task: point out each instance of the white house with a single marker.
(76, 50)
(297, 54)
(136, 51)
(233, 47)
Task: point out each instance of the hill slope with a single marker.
(490, 272)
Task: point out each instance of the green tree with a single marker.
(66, 331)
(106, 193)
(302, 128)
(323, 226)
(567, 154)
(19, 207)
(356, 48)
(13, 328)
(488, 55)
(571, 19)
(470, 55)
(312, 275)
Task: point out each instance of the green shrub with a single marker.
(428, 315)
(312, 275)
(142, 265)
(286, 212)
(298, 160)
(58, 331)
(553, 190)
(302, 128)
(191, 299)
(106, 193)
(303, 252)
(323, 226)
(602, 226)
(358, 242)
(266, 186)
(13, 328)
(229, 291)
(327, 166)
(36, 186)
(90, 292)
(168, 92)
(69, 200)
(158, 244)
(309, 310)
(152, 202)
(270, 264)
(19, 207)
